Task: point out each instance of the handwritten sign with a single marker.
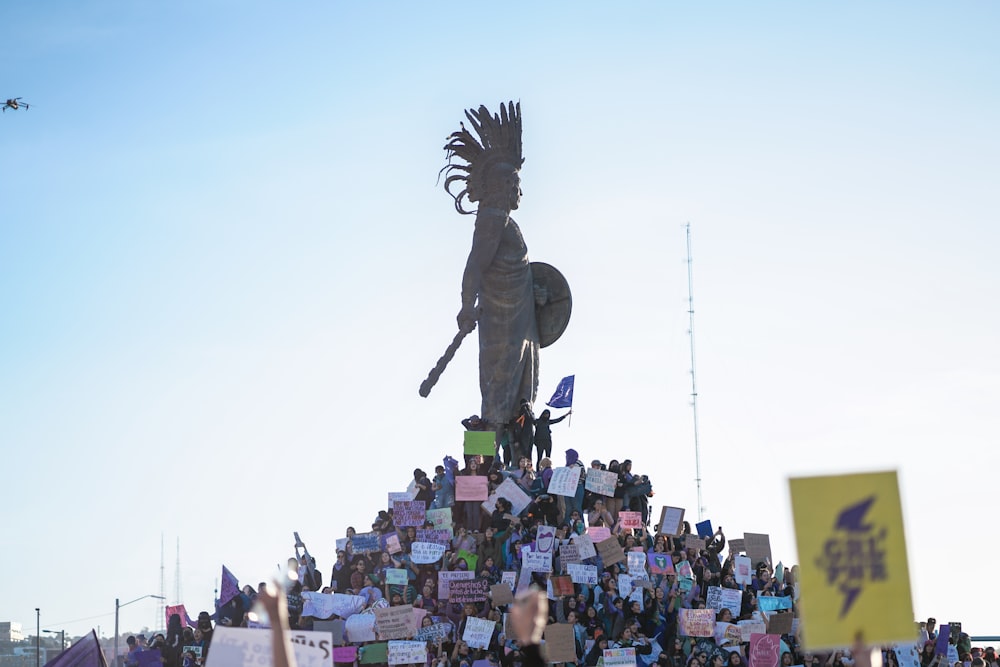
(696, 622)
(569, 553)
(598, 533)
(534, 561)
(468, 590)
(671, 520)
(610, 551)
(424, 553)
(365, 543)
(725, 598)
(562, 585)
(395, 576)
(510, 490)
(743, 570)
(560, 643)
(360, 628)
(434, 536)
(765, 650)
(409, 513)
(478, 632)
(434, 632)
(403, 653)
(780, 624)
(751, 628)
(251, 647)
(630, 519)
(636, 562)
(582, 574)
(395, 622)
(565, 480)
(440, 519)
(601, 482)
(446, 577)
(585, 544)
(323, 605)
(501, 594)
(619, 657)
(392, 543)
(545, 539)
(471, 487)
(400, 496)
(509, 578)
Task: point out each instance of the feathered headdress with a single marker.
(499, 143)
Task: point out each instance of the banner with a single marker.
(852, 557)
(565, 480)
(601, 482)
(696, 622)
(84, 652)
(325, 605)
(765, 651)
(407, 513)
(462, 591)
(480, 442)
(471, 487)
(563, 396)
(425, 553)
(403, 653)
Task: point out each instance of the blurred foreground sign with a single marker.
(852, 555)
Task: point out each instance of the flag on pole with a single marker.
(563, 398)
(230, 587)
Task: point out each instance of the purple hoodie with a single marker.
(571, 457)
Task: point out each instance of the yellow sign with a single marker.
(853, 575)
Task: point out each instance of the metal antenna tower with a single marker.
(694, 386)
(163, 591)
(177, 575)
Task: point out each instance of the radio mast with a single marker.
(694, 386)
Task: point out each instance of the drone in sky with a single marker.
(15, 104)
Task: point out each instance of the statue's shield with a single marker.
(553, 302)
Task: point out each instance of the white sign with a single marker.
(535, 561)
(565, 480)
(601, 482)
(636, 562)
(509, 578)
(742, 570)
(585, 545)
(401, 496)
(325, 605)
(405, 652)
(619, 656)
(725, 598)
(251, 647)
(360, 628)
(478, 632)
(582, 574)
(425, 553)
(395, 576)
(510, 490)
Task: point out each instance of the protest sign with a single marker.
(180, 611)
(704, 528)
(685, 576)
(852, 559)
(501, 594)
(345, 653)
(374, 654)
(335, 628)
(360, 628)
(480, 442)
(610, 551)
(737, 546)
(395, 576)
(440, 519)
(434, 632)
(341, 543)
(510, 578)
(692, 542)
(564, 481)
(534, 561)
(569, 553)
(585, 545)
(510, 490)
(727, 633)
(598, 533)
(629, 519)
(750, 628)
(471, 487)
(560, 643)
(907, 656)
(671, 521)
(660, 563)
(562, 585)
(619, 657)
(601, 482)
(392, 543)
(434, 536)
(545, 539)
(743, 570)
(325, 605)
(424, 553)
(468, 590)
(696, 622)
(624, 585)
(395, 622)
(765, 651)
(773, 603)
(582, 574)
(758, 547)
(365, 543)
(407, 513)
(478, 632)
(446, 577)
(251, 647)
(395, 496)
(636, 562)
(719, 598)
(780, 624)
(404, 653)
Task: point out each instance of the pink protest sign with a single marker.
(765, 650)
(472, 487)
(345, 653)
(630, 519)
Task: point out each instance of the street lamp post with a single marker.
(119, 606)
(38, 637)
(62, 638)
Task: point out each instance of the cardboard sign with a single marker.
(696, 622)
(462, 591)
(560, 643)
(241, 647)
(765, 651)
(759, 549)
(501, 594)
(446, 577)
(585, 545)
(737, 546)
(582, 574)
(360, 628)
(692, 542)
(480, 442)
(478, 632)
(569, 553)
(424, 553)
(780, 624)
(750, 628)
(601, 482)
(631, 520)
(660, 563)
(374, 654)
(619, 657)
(564, 481)
(545, 539)
(403, 653)
(610, 551)
(510, 490)
(472, 487)
(409, 513)
(395, 622)
(671, 521)
(335, 628)
(852, 559)
(562, 585)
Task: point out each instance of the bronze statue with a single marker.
(498, 290)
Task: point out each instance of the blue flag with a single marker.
(563, 398)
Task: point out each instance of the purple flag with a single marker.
(941, 646)
(230, 587)
(85, 652)
(563, 398)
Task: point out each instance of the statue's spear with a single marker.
(442, 363)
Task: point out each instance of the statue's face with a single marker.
(506, 186)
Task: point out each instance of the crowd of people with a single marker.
(625, 607)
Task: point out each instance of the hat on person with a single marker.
(595, 462)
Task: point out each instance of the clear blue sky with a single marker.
(225, 268)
